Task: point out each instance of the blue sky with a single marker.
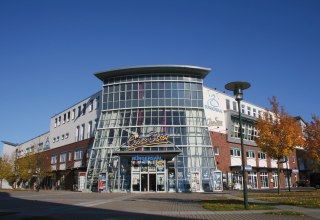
(49, 51)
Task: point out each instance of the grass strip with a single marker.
(231, 205)
(296, 201)
(282, 212)
(284, 194)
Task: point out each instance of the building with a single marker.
(154, 129)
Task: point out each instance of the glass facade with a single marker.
(165, 103)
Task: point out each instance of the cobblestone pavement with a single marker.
(48, 205)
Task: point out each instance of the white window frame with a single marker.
(54, 159)
(78, 154)
(236, 152)
(250, 154)
(63, 157)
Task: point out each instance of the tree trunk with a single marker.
(278, 176)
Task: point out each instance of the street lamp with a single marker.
(237, 88)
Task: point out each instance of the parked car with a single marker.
(315, 180)
(303, 183)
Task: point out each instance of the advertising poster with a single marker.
(135, 165)
(160, 165)
(152, 166)
(135, 179)
(102, 184)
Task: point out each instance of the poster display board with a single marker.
(102, 183)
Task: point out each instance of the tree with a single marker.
(26, 167)
(279, 133)
(6, 169)
(312, 140)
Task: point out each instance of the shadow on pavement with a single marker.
(12, 208)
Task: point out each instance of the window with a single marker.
(242, 108)
(40, 146)
(234, 106)
(63, 157)
(235, 152)
(59, 120)
(62, 137)
(264, 180)
(90, 129)
(64, 118)
(249, 110)
(251, 154)
(54, 159)
(78, 154)
(68, 118)
(78, 133)
(79, 111)
(55, 122)
(54, 140)
(249, 132)
(262, 155)
(84, 109)
(254, 112)
(70, 156)
(73, 114)
(216, 150)
(260, 113)
(96, 123)
(97, 102)
(293, 159)
(275, 178)
(91, 105)
(57, 138)
(82, 131)
(88, 153)
(228, 104)
(67, 135)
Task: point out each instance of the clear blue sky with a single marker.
(50, 49)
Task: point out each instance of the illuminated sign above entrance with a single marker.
(134, 141)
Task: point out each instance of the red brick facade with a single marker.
(223, 161)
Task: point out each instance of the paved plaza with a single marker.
(49, 205)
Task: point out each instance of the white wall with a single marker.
(65, 131)
(37, 144)
(214, 103)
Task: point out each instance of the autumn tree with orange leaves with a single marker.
(279, 133)
(312, 141)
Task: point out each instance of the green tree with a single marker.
(26, 167)
(279, 133)
(6, 169)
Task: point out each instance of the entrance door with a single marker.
(152, 182)
(144, 182)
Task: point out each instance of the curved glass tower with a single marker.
(152, 133)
